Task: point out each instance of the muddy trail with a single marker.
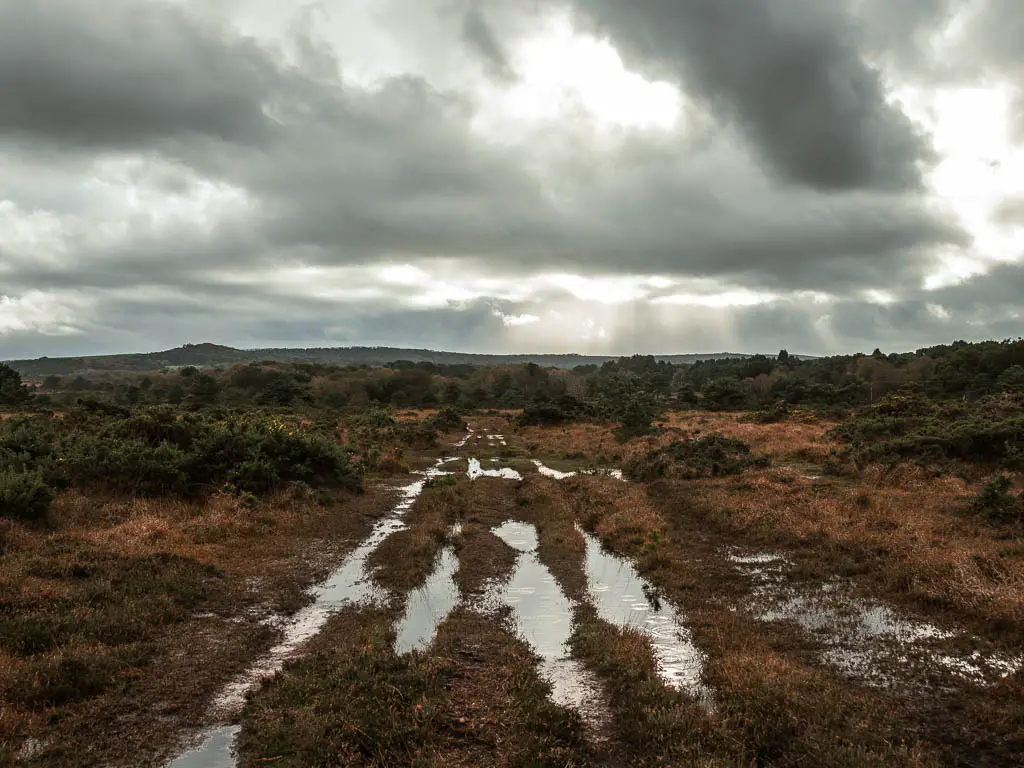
(506, 611)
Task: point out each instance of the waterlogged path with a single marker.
(869, 641)
(543, 615)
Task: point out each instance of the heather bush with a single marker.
(707, 456)
(906, 427)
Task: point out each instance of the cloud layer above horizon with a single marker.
(599, 176)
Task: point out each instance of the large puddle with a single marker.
(866, 640)
(543, 616)
(624, 598)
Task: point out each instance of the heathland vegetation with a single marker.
(158, 526)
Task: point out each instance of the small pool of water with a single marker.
(622, 597)
(867, 640)
(476, 470)
(214, 752)
(557, 474)
(429, 605)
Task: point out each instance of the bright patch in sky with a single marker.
(733, 298)
(561, 71)
(980, 166)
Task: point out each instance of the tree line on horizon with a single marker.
(959, 370)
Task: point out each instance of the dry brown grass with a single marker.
(266, 554)
(909, 536)
(784, 441)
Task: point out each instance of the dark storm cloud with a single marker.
(478, 33)
(123, 73)
(788, 72)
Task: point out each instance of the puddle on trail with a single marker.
(214, 752)
(869, 641)
(506, 473)
(429, 605)
(347, 585)
(559, 475)
(624, 598)
(543, 616)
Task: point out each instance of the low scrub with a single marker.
(707, 456)
(105, 614)
(166, 451)
(906, 427)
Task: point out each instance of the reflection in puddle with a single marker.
(475, 471)
(868, 641)
(622, 597)
(429, 605)
(543, 616)
(214, 752)
(522, 537)
(559, 475)
(549, 472)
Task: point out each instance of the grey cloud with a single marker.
(788, 72)
(1010, 212)
(478, 33)
(124, 74)
(899, 33)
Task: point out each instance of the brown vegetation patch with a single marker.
(483, 559)
(473, 699)
(125, 670)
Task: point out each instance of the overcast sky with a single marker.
(599, 176)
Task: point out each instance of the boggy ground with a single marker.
(122, 618)
(474, 695)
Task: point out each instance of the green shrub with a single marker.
(447, 419)
(162, 451)
(771, 414)
(997, 503)
(708, 456)
(377, 418)
(24, 495)
(906, 427)
(636, 418)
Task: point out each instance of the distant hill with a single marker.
(215, 355)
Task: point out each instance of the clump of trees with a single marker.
(12, 390)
